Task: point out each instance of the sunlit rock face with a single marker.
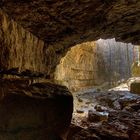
(119, 58)
(136, 64)
(20, 47)
(96, 64)
(136, 70)
(82, 67)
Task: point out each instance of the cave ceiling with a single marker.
(57, 20)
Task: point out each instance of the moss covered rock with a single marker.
(135, 87)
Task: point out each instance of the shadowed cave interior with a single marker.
(69, 70)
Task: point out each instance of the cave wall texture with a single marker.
(35, 34)
(100, 64)
(22, 46)
(82, 67)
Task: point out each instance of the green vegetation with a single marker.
(135, 69)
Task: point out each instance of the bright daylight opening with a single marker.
(100, 75)
(101, 65)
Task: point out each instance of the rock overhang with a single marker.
(55, 21)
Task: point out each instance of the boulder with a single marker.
(135, 87)
(41, 111)
(94, 116)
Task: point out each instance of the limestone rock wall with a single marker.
(118, 58)
(103, 63)
(61, 25)
(83, 66)
(20, 48)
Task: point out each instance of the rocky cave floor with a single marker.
(106, 115)
(98, 115)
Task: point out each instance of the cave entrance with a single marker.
(100, 64)
(99, 74)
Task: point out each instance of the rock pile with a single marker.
(112, 115)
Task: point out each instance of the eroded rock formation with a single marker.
(82, 67)
(34, 35)
(98, 64)
(39, 111)
(62, 24)
(20, 48)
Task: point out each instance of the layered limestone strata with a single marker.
(22, 46)
(99, 64)
(21, 49)
(82, 67)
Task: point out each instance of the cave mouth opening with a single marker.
(99, 74)
(100, 65)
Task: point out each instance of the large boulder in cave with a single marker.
(41, 111)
